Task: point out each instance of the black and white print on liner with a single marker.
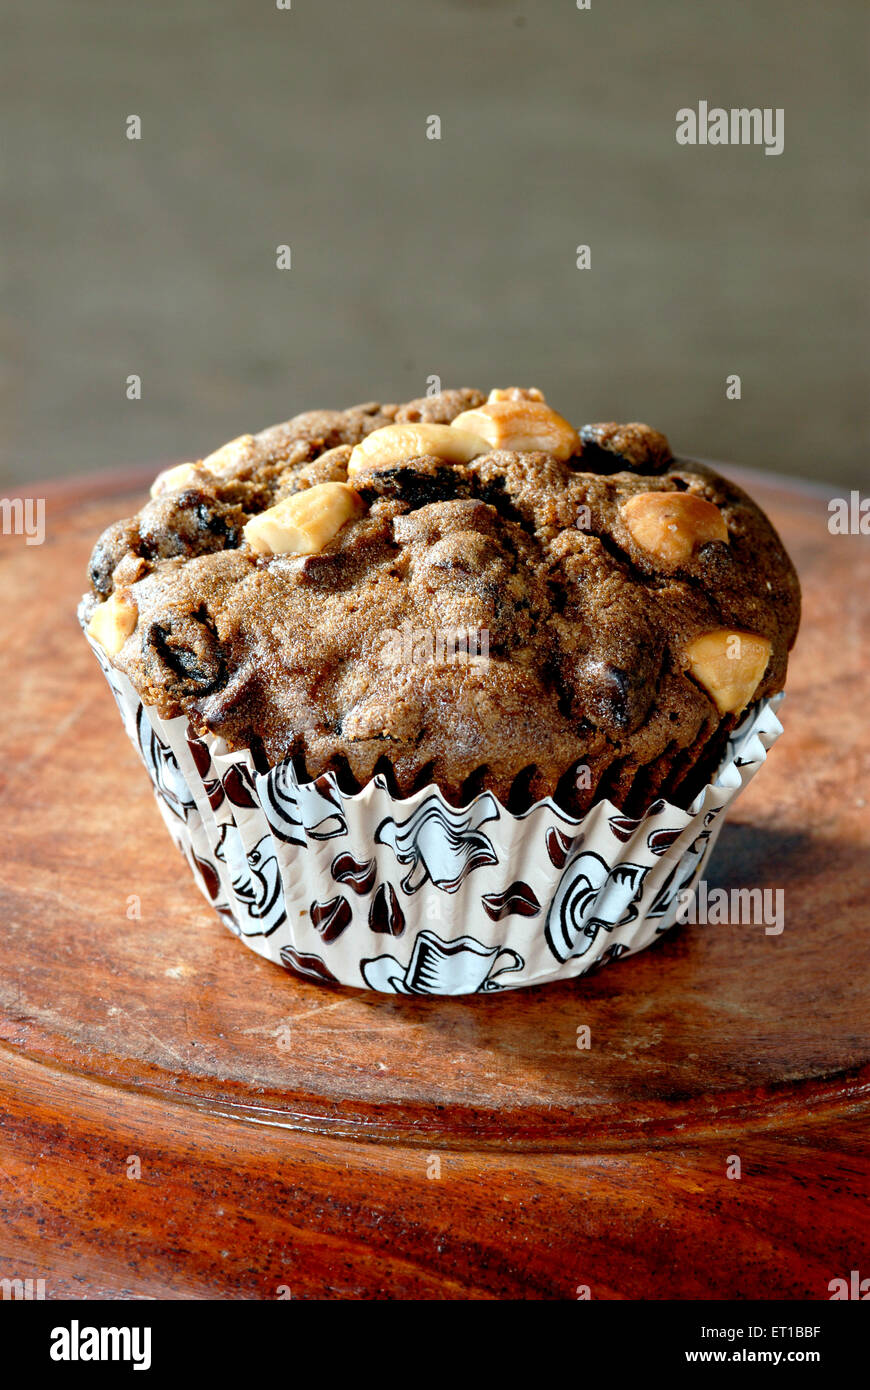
(299, 810)
(256, 882)
(440, 844)
(161, 763)
(465, 966)
(589, 901)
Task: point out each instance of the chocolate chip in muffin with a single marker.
(610, 447)
(418, 482)
(118, 542)
(190, 522)
(619, 698)
(182, 655)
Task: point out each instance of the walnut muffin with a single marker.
(461, 590)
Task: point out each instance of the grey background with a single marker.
(414, 257)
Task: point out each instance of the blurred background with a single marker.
(414, 257)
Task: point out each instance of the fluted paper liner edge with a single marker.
(413, 896)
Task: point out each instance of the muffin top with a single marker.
(461, 590)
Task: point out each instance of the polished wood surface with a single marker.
(291, 1133)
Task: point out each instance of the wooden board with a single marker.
(311, 1116)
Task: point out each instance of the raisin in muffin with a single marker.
(460, 590)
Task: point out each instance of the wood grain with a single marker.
(286, 1128)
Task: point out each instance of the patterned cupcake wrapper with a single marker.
(413, 896)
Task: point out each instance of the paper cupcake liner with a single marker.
(414, 896)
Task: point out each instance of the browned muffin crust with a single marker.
(339, 658)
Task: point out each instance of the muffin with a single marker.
(462, 603)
